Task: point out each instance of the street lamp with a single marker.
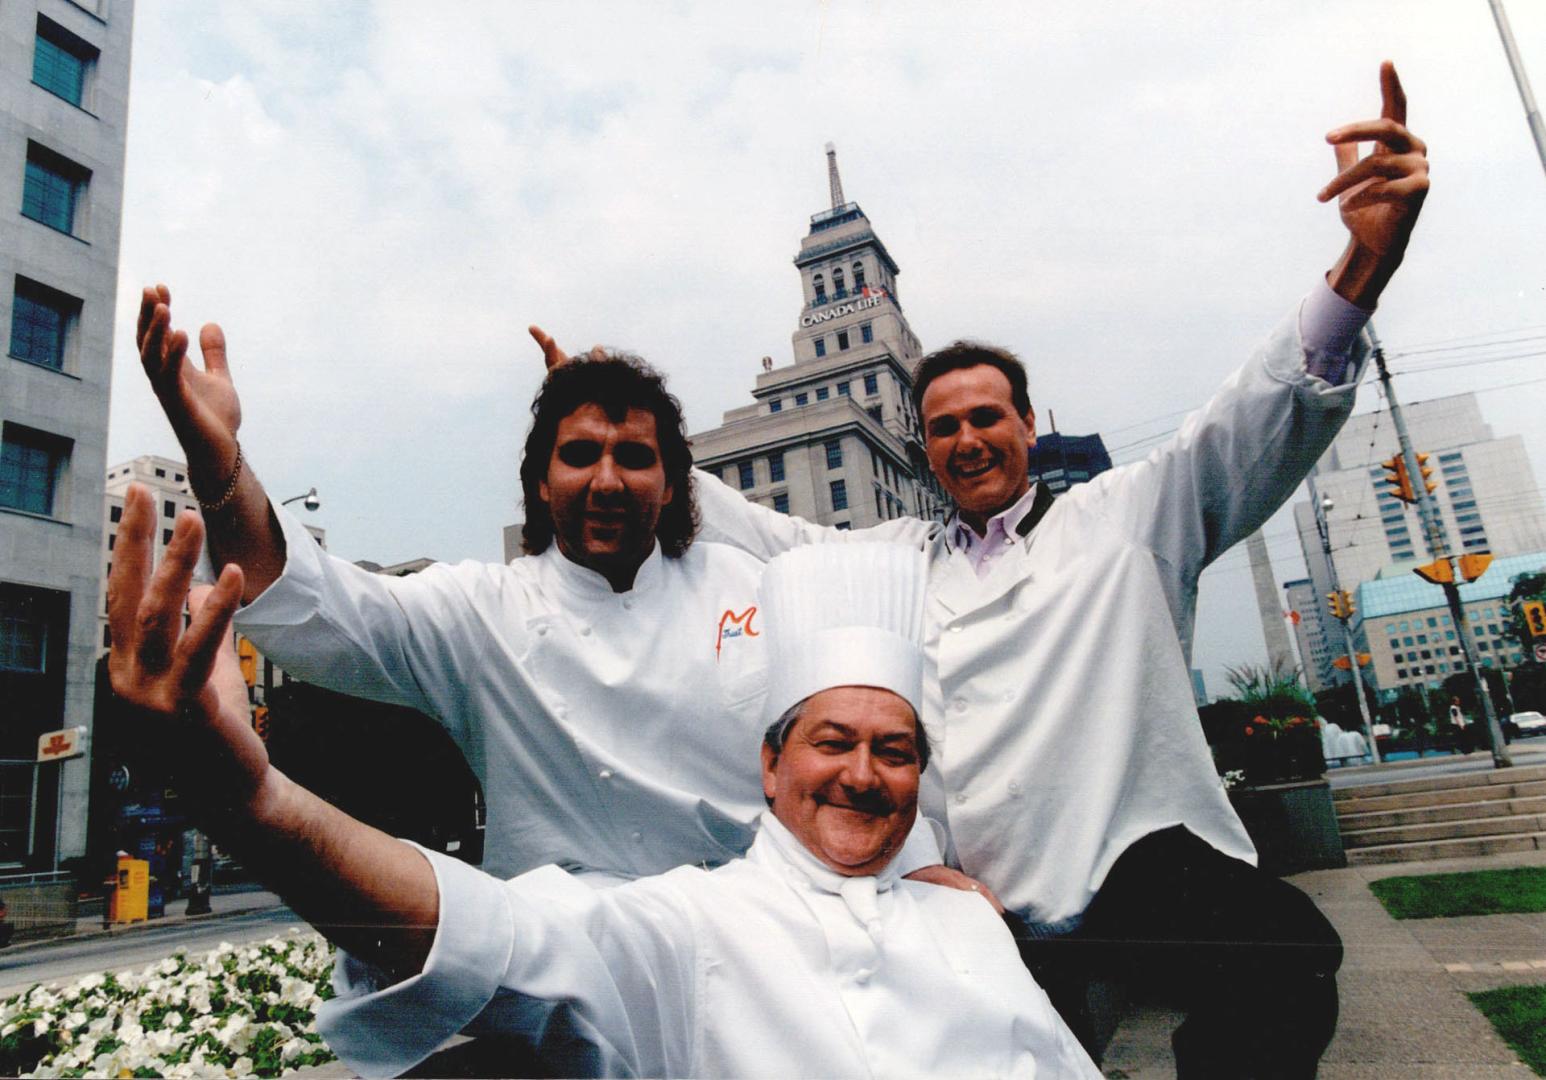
(1324, 506)
(312, 501)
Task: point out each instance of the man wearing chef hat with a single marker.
(810, 956)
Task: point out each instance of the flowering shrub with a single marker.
(236, 1011)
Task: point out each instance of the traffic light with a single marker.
(1422, 467)
(1535, 617)
(1474, 566)
(247, 660)
(1396, 476)
(1341, 603)
(1440, 572)
(1342, 663)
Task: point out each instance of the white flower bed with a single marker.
(237, 1011)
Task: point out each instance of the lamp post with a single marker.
(1324, 506)
(310, 500)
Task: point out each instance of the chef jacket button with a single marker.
(959, 704)
(628, 605)
(561, 711)
(585, 631)
(605, 774)
(1009, 695)
(1009, 540)
(637, 836)
(955, 628)
(542, 631)
(863, 975)
(960, 797)
(1014, 789)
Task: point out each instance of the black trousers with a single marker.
(1249, 957)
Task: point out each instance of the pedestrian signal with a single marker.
(1535, 617)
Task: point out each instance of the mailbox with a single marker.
(131, 893)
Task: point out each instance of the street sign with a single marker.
(58, 745)
(1540, 653)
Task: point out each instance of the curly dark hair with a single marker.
(968, 354)
(616, 382)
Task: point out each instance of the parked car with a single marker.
(1529, 722)
(6, 929)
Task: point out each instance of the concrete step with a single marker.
(1449, 796)
(1424, 850)
(1480, 778)
(1425, 815)
(1445, 830)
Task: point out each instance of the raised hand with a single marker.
(1380, 195)
(186, 682)
(201, 403)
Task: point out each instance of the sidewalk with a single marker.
(1403, 985)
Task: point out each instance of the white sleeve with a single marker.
(600, 982)
(1231, 465)
(729, 518)
(408, 641)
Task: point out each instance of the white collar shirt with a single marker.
(772, 965)
(1001, 531)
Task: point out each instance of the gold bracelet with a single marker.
(230, 488)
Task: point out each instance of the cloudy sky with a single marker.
(375, 200)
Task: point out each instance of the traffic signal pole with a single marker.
(1342, 610)
(1438, 547)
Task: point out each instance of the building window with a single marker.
(834, 454)
(871, 384)
(821, 346)
(858, 277)
(802, 399)
(776, 467)
(838, 292)
(112, 539)
(166, 536)
(880, 510)
(819, 283)
(781, 502)
(822, 394)
(866, 333)
(842, 526)
(747, 479)
(839, 495)
(168, 508)
(842, 340)
(875, 413)
(776, 405)
(52, 189)
(23, 634)
(30, 462)
(115, 514)
(61, 61)
(842, 389)
(41, 319)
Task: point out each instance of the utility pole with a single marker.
(1532, 114)
(1342, 609)
(1442, 570)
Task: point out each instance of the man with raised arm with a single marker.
(1071, 771)
(809, 957)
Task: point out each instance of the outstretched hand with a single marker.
(186, 682)
(201, 403)
(1381, 195)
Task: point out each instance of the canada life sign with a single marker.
(839, 310)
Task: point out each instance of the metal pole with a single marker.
(1522, 81)
(1324, 529)
(1438, 547)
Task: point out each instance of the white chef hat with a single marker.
(843, 615)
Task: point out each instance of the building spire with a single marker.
(833, 179)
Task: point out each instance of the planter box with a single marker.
(1293, 825)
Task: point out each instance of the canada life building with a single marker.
(832, 437)
(64, 84)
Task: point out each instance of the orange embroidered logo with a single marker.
(732, 625)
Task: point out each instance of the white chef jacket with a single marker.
(614, 734)
(772, 965)
(1056, 687)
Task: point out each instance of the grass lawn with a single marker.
(1519, 1014)
(1480, 892)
